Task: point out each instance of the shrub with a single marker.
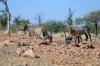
(54, 26)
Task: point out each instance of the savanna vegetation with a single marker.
(53, 25)
(56, 49)
(92, 19)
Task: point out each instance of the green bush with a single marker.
(54, 26)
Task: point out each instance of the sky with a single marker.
(51, 9)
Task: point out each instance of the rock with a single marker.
(75, 45)
(84, 43)
(36, 56)
(20, 51)
(98, 54)
(29, 53)
(87, 46)
(44, 43)
(22, 44)
(26, 64)
(5, 45)
(11, 41)
(6, 41)
(25, 44)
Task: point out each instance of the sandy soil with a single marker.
(22, 50)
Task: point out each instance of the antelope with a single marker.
(36, 32)
(41, 33)
(76, 33)
(24, 27)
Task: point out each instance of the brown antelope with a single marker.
(76, 33)
(24, 27)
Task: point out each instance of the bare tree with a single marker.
(93, 17)
(70, 15)
(8, 15)
(38, 18)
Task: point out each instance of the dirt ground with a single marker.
(22, 50)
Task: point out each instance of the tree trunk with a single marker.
(8, 25)
(8, 17)
(96, 27)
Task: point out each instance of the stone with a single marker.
(29, 53)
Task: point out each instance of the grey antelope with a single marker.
(40, 33)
